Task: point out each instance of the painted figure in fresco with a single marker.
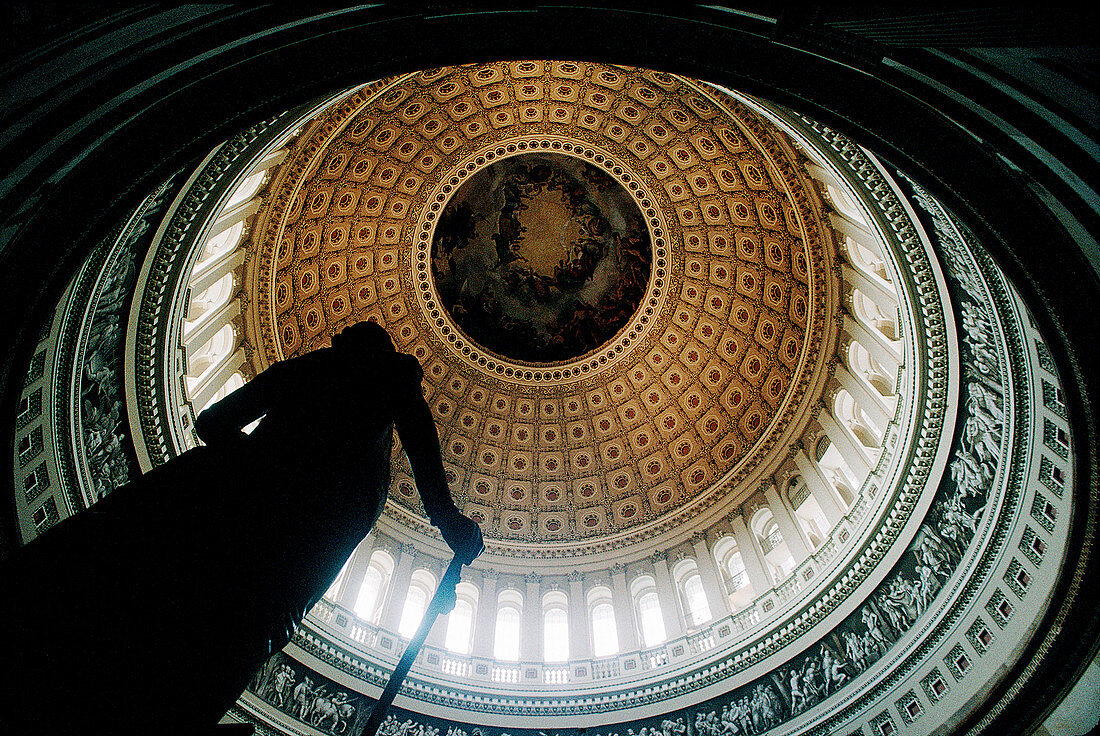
(176, 588)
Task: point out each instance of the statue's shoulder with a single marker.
(409, 365)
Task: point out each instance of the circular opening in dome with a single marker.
(541, 257)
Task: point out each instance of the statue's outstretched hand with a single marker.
(462, 535)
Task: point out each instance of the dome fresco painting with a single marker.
(749, 420)
(541, 258)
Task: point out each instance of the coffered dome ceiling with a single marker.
(752, 424)
(618, 282)
(761, 435)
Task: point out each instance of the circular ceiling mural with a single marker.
(541, 257)
(618, 281)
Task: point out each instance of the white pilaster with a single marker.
(851, 451)
(666, 594)
(877, 289)
(797, 544)
(530, 642)
(237, 214)
(580, 643)
(828, 498)
(399, 589)
(717, 596)
(624, 611)
(353, 579)
(750, 555)
(485, 622)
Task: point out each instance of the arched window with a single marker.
(246, 189)
(460, 621)
(866, 367)
(209, 299)
(376, 580)
(808, 511)
(221, 243)
(601, 613)
(648, 606)
(779, 559)
(728, 556)
(509, 615)
(692, 595)
(870, 313)
(555, 627)
(866, 257)
(852, 418)
(210, 354)
(421, 586)
(845, 204)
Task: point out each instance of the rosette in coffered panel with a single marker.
(615, 279)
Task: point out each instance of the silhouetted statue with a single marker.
(149, 612)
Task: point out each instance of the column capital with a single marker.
(698, 537)
(576, 576)
(659, 556)
(532, 578)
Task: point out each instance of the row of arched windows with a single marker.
(211, 342)
(370, 603)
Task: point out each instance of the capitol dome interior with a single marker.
(757, 343)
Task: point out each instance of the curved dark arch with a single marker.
(99, 112)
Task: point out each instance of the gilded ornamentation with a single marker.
(659, 412)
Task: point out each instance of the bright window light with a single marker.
(367, 599)
(649, 612)
(506, 643)
(415, 604)
(696, 600)
(459, 628)
(555, 635)
(605, 638)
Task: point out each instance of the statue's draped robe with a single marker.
(151, 610)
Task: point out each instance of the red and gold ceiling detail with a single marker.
(617, 280)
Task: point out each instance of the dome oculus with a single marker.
(541, 257)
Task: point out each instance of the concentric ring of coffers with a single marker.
(689, 397)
